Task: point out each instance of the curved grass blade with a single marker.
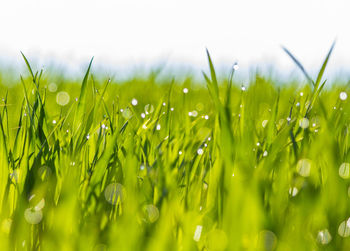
(301, 67)
(80, 112)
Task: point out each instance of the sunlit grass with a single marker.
(140, 165)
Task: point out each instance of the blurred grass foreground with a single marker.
(174, 166)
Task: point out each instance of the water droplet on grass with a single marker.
(185, 90)
(158, 127)
(149, 108)
(44, 172)
(344, 170)
(40, 205)
(293, 191)
(143, 115)
(15, 175)
(343, 95)
(134, 101)
(127, 114)
(197, 233)
(264, 123)
(114, 192)
(267, 240)
(151, 213)
(324, 237)
(344, 228)
(62, 98)
(33, 216)
(304, 167)
(304, 123)
(200, 151)
(52, 87)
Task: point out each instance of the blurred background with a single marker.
(135, 35)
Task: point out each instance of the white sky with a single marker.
(139, 32)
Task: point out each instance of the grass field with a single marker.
(143, 165)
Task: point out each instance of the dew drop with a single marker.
(62, 98)
(151, 213)
(293, 191)
(127, 113)
(343, 95)
(40, 205)
(33, 216)
(44, 172)
(52, 87)
(114, 192)
(344, 170)
(264, 123)
(197, 233)
(134, 101)
(324, 237)
(344, 228)
(185, 90)
(304, 167)
(200, 151)
(304, 123)
(149, 108)
(267, 240)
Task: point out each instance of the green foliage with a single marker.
(87, 167)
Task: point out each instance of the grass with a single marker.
(140, 165)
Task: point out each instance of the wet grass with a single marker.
(142, 165)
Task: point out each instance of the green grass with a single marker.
(264, 167)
